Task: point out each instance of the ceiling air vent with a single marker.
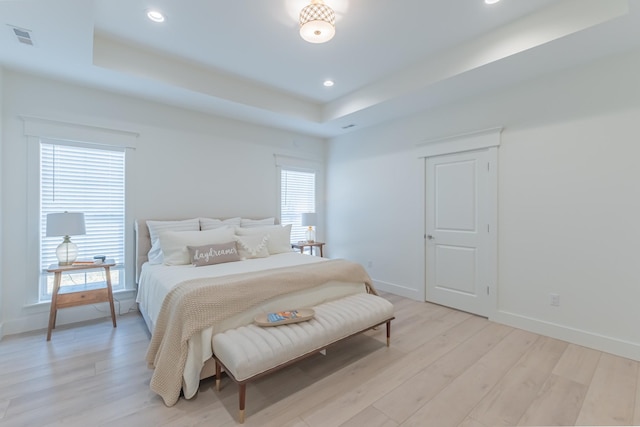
(23, 36)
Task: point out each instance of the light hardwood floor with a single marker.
(444, 368)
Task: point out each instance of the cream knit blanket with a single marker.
(197, 304)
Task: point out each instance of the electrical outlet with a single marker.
(555, 300)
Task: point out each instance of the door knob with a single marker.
(429, 236)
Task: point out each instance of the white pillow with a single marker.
(255, 246)
(279, 237)
(211, 223)
(157, 227)
(247, 223)
(174, 243)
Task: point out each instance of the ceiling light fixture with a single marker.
(317, 22)
(328, 83)
(155, 16)
(491, 1)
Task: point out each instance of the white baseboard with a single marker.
(611, 345)
(398, 290)
(38, 318)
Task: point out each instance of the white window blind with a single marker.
(297, 195)
(79, 178)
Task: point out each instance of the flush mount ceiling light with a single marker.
(491, 1)
(317, 22)
(328, 83)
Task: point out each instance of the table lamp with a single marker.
(309, 220)
(66, 224)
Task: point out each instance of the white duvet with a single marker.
(157, 280)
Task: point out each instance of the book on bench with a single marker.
(283, 317)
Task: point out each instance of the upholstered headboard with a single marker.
(143, 244)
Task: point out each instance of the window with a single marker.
(297, 195)
(84, 178)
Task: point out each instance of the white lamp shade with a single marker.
(65, 224)
(308, 219)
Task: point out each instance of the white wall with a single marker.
(187, 164)
(2, 240)
(568, 201)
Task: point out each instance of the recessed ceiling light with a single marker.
(491, 1)
(328, 83)
(155, 16)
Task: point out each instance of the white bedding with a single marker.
(157, 280)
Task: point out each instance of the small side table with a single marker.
(310, 245)
(84, 295)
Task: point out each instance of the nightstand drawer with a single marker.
(82, 297)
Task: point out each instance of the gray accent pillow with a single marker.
(213, 254)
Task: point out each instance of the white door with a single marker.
(460, 208)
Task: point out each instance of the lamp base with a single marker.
(310, 235)
(66, 252)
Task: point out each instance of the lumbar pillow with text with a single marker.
(255, 246)
(279, 236)
(158, 227)
(213, 254)
(174, 243)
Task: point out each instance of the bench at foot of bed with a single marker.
(249, 352)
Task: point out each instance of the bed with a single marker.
(159, 282)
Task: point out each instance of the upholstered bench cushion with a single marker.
(251, 350)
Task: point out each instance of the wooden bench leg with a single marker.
(388, 333)
(218, 374)
(242, 391)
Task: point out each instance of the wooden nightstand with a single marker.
(310, 245)
(79, 295)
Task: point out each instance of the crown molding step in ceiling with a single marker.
(253, 67)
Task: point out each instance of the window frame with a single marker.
(37, 129)
(297, 228)
(118, 276)
(302, 165)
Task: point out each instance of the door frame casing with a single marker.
(488, 139)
